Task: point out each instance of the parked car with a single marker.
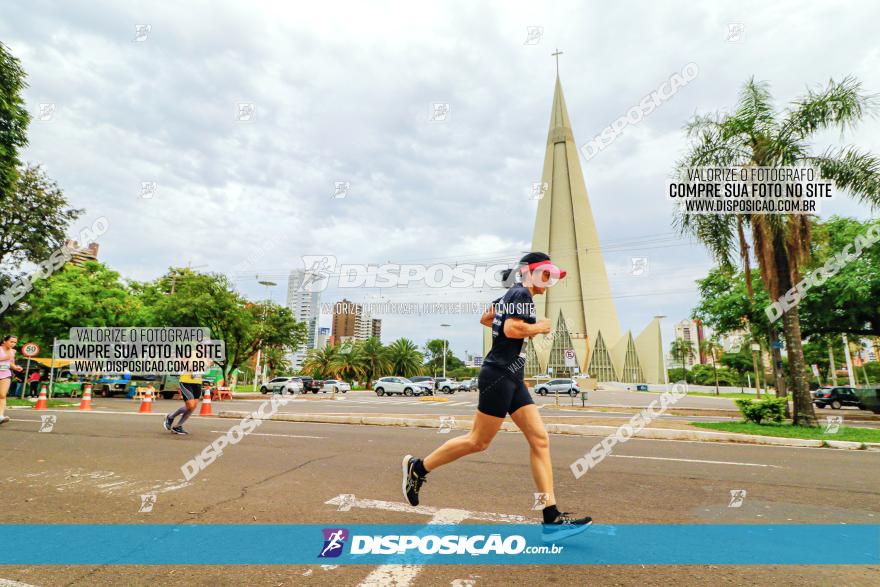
(400, 385)
(335, 386)
(447, 385)
(836, 397)
(275, 385)
(468, 385)
(426, 380)
(311, 384)
(869, 399)
(558, 386)
(294, 385)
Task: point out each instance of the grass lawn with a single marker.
(790, 431)
(52, 403)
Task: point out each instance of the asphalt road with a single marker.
(93, 468)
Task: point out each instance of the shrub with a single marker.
(770, 408)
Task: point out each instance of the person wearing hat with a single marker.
(503, 391)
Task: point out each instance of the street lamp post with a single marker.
(444, 350)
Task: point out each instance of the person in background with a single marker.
(34, 383)
(7, 366)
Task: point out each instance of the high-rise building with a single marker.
(344, 319)
(691, 331)
(323, 338)
(305, 306)
(377, 329)
(580, 307)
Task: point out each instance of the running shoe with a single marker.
(564, 526)
(4, 419)
(411, 481)
(179, 430)
(168, 422)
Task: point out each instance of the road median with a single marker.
(462, 423)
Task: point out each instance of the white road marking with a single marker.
(405, 575)
(396, 506)
(264, 434)
(696, 461)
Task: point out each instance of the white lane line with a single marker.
(8, 583)
(349, 501)
(696, 461)
(265, 434)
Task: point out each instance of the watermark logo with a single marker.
(341, 189)
(735, 32)
(141, 32)
(334, 541)
(832, 424)
(148, 189)
(46, 111)
(245, 112)
(438, 112)
(737, 497)
(534, 34)
(47, 422)
(318, 269)
(540, 501)
(447, 424)
(637, 113)
(147, 503)
(639, 266)
(539, 190)
(625, 432)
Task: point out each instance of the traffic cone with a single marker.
(86, 402)
(206, 403)
(147, 402)
(42, 401)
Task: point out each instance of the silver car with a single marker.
(282, 385)
(399, 385)
(558, 387)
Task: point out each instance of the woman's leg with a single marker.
(484, 429)
(4, 389)
(528, 420)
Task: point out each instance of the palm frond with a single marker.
(857, 172)
(838, 105)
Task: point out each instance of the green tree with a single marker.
(713, 350)
(14, 121)
(405, 358)
(34, 219)
(755, 135)
(91, 295)
(682, 350)
(375, 359)
(209, 301)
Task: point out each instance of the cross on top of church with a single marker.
(556, 55)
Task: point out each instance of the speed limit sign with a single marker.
(30, 349)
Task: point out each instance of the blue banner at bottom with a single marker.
(361, 544)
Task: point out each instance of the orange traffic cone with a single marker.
(42, 401)
(147, 402)
(86, 403)
(206, 403)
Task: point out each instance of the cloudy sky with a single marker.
(342, 92)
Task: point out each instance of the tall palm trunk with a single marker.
(804, 413)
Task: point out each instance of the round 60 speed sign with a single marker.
(30, 349)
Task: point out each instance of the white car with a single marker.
(447, 385)
(281, 385)
(293, 385)
(557, 387)
(400, 385)
(335, 385)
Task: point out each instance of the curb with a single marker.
(572, 429)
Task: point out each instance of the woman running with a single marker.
(7, 366)
(503, 391)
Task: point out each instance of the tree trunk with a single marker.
(804, 414)
(778, 371)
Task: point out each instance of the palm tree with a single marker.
(405, 358)
(682, 350)
(755, 135)
(347, 364)
(321, 363)
(375, 359)
(711, 347)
